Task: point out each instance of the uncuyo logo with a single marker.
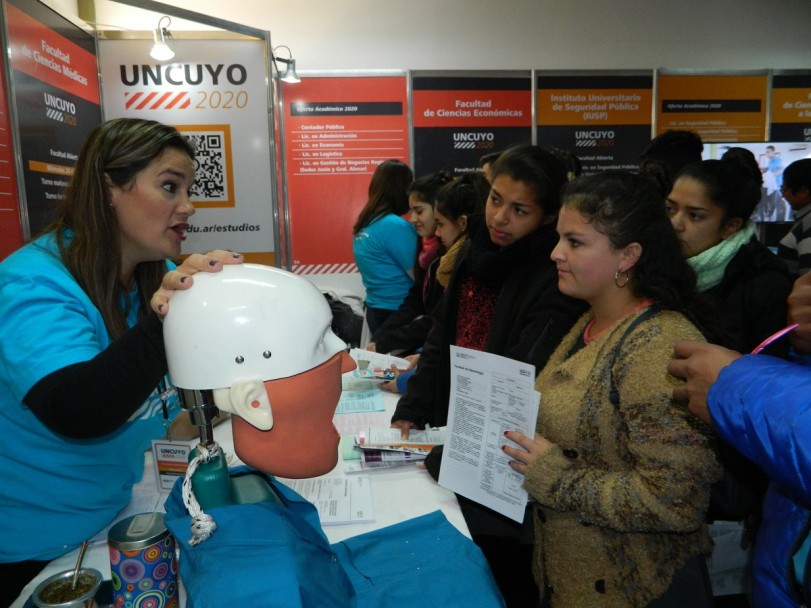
(60, 110)
(470, 140)
(593, 139)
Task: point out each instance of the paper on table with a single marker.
(351, 424)
(389, 437)
(489, 395)
(350, 382)
(378, 359)
(370, 400)
(338, 499)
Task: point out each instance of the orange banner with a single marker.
(585, 107)
(720, 108)
(41, 167)
(11, 234)
(791, 106)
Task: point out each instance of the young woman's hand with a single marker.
(391, 385)
(405, 427)
(180, 277)
(530, 450)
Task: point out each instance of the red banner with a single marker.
(472, 108)
(337, 130)
(43, 54)
(11, 234)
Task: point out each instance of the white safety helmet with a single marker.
(235, 329)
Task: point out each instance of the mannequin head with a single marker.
(303, 442)
(260, 340)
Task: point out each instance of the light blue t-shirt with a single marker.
(55, 491)
(385, 253)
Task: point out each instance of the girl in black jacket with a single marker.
(502, 298)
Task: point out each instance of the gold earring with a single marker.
(621, 274)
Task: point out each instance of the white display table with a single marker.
(399, 494)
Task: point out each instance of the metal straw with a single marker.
(78, 565)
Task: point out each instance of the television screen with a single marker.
(772, 157)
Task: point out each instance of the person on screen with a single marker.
(795, 247)
(619, 475)
(771, 166)
(82, 362)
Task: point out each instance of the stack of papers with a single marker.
(373, 369)
(391, 439)
(374, 448)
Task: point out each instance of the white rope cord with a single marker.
(202, 524)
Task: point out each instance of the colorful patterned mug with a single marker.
(143, 563)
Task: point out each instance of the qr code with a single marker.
(212, 181)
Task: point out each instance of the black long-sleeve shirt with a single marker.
(95, 397)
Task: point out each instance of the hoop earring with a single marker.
(621, 274)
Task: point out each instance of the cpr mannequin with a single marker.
(257, 342)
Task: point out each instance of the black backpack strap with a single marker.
(614, 395)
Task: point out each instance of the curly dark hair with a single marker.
(629, 208)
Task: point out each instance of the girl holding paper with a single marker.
(620, 481)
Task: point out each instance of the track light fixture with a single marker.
(160, 50)
(289, 74)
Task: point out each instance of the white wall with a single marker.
(340, 35)
(520, 34)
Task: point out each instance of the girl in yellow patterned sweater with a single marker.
(620, 482)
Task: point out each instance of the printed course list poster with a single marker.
(719, 107)
(791, 107)
(337, 131)
(55, 90)
(458, 119)
(603, 118)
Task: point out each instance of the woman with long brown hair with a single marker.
(385, 243)
(82, 365)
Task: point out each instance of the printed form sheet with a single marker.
(489, 395)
